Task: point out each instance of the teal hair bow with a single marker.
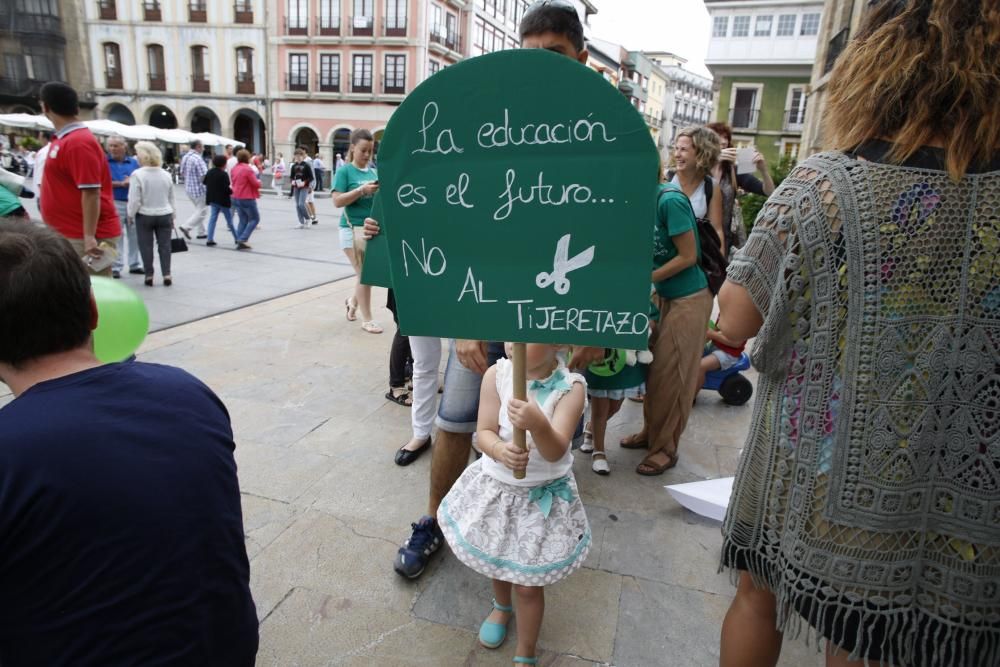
(544, 495)
(544, 388)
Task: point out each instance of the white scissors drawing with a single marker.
(562, 265)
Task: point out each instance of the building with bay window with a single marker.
(761, 55)
(34, 35)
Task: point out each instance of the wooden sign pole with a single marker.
(521, 394)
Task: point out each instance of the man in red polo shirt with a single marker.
(79, 202)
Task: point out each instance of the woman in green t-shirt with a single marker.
(685, 304)
(354, 188)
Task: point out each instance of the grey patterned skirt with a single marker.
(503, 531)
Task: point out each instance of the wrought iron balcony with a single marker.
(794, 120)
(113, 79)
(200, 84)
(245, 84)
(243, 12)
(157, 82)
(394, 88)
(331, 28)
(107, 10)
(396, 29)
(362, 26)
(151, 11)
(20, 87)
(197, 12)
(297, 27)
(361, 87)
(327, 84)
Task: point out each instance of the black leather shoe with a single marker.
(405, 457)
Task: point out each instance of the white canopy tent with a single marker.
(106, 127)
(210, 139)
(25, 121)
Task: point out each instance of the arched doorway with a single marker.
(248, 127)
(163, 118)
(307, 139)
(205, 120)
(341, 142)
(120, 114)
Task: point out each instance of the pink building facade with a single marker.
(339, 65)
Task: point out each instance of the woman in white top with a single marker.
(696, 150)
(151, 206)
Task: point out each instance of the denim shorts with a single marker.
(459, 409)
(346, 238)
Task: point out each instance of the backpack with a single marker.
(712, 261)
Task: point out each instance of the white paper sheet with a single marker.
(709, 498)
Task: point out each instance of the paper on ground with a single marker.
(709, 498)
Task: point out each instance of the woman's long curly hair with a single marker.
(921, 71)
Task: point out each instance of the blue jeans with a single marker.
(249, 217)
(227, 213)
(300, 195)
(459, 409)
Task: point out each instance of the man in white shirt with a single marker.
(318, 169)
(231, 160)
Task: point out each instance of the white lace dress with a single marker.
(531, 532)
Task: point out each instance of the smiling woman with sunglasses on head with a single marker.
(866, 502)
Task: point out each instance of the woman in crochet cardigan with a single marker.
(867, 501)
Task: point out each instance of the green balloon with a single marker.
(122, 320)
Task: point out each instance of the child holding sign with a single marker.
(523, 533)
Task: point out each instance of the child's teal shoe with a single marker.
(518, 660)
(491, 635)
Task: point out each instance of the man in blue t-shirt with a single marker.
(121, 165)
(121, 533)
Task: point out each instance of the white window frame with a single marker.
(802, 24)
(795, 22)
(374, 70)
(302, 19)
(720, 22)
(340, 71)
(329, 14)
(300, 54)
(756, 25)
(735, 19)
(802, 107)
(396, 17)
(385, 69)
(738, 85)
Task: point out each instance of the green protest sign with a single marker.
(375, 270)
(519, 193)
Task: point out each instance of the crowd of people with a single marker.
(864, 505)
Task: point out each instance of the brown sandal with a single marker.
(634, 442)
(650, 469)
